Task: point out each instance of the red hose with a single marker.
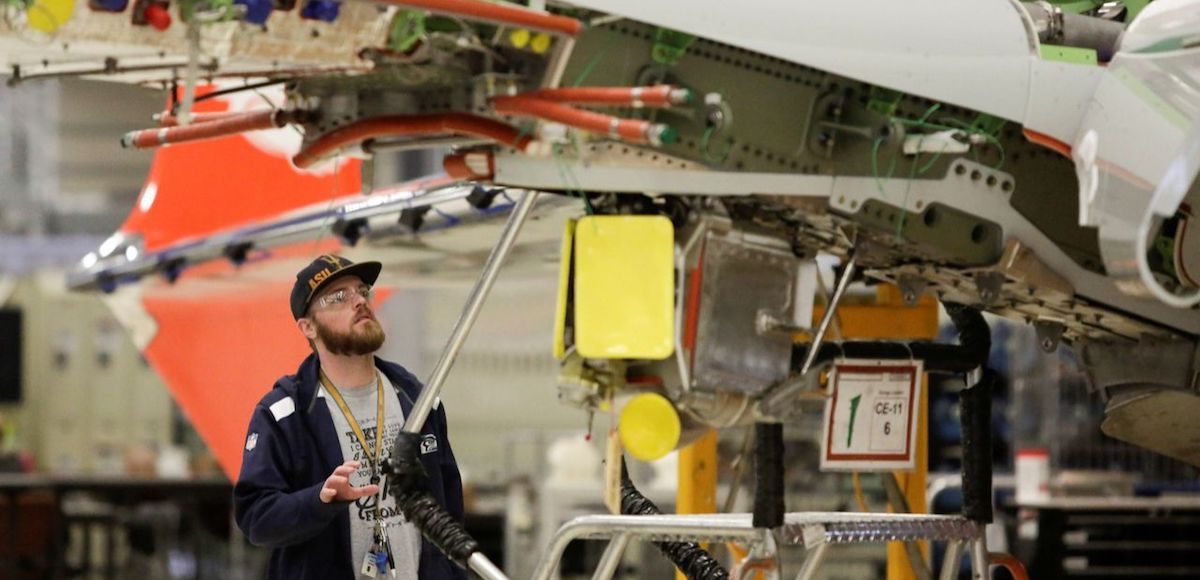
(408, 125)
(1048, 142)
(657, 96)
(497, 13)
(169, 120)
(633, 130)
(230, 125)
(1010, 563)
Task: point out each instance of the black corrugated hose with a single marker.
(768, 475)
(695, 562)
(410, 484)
(974, 336)
(975, 413)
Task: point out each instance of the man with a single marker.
(311, 487)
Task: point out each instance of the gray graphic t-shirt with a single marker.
(406, 540)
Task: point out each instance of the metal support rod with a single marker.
(827, 318)
(808, 570)
(191, 73)
(111, 67)
(861, 131)
(954, 552)
(484, 567)
(433, 387)
(711, 527)
(979, 558)
(611, 558)
(558, 62)
(836, 527)
(899, 503)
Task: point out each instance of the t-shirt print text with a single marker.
(383, 500)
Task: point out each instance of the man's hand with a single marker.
(337, 485)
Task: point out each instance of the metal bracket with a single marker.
(989, 285)
(350, 231)
(828, 110)
(413, 218)
(1049, 333)
(911, 288)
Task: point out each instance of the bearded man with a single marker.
(311, 485)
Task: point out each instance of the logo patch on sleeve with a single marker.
(428, 444)
(252, 442)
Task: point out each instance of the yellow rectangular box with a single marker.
(624, 287)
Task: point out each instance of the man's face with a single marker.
(347, 327)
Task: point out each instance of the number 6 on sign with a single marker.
(869, 423)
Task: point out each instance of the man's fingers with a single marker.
(337, 486)
(357, 492)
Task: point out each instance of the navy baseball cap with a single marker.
(323, 271)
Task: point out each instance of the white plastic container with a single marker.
(1033, 475)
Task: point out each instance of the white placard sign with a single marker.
(869, 420)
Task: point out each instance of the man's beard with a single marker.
(356, 342)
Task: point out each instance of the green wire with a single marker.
(705, 143)
(912, 174)
(928, 112)
(929, 164)
(591, 66)
(875, 164)
(577, 141)
(563, 172)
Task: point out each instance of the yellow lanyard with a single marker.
(372, 455)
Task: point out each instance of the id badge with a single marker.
(370, 565)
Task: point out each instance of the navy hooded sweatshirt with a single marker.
(292, 447)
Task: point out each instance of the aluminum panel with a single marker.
(740, 278)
